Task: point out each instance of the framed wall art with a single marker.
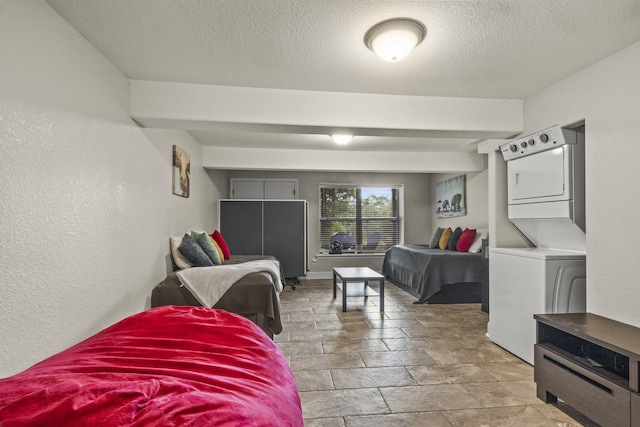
(450, 198)
(181, 172)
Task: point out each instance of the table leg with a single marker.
(382, 295)
(334, 284)
(344, 295)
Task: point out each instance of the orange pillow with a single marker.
(218, 249)
(466, 239)
(223, 245)
(444, 239)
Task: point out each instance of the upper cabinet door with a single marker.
(280, 190)
(247, 188)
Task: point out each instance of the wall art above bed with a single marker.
(450, 198)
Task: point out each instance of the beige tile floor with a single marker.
(413, 365)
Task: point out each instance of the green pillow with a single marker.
(205, 243)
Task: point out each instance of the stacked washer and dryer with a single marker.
(546, 202)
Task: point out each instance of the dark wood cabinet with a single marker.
(591, 363)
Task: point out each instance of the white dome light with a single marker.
(395, 38)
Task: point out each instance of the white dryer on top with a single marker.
(546, 189)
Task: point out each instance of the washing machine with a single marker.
(528, 281)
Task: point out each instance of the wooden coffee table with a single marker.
(361, 275)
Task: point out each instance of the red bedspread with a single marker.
(168, 366)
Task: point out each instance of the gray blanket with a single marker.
(425, 271)
(253, 296)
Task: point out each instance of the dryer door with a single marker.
(540, 177)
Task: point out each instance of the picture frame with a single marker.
(450, 198)
(181, 172)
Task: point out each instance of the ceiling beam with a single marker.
(202, 107)
(195, 107)
(344, 161)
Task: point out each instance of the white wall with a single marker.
(86, 206)
(607, 96)
(502, 232)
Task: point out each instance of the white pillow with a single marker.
(481, 234)
(178, 258)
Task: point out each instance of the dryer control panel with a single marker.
(543, 140)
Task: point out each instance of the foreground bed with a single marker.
(436, 275)
(170, 366)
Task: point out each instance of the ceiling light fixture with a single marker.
(341, 138)
(395, 38)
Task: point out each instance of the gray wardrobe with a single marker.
(267, 227)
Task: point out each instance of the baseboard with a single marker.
(319, 275)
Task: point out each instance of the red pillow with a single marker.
(223, 245)
(466, 240)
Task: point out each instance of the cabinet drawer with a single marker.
(596, 397)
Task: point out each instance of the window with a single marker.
(363, 219)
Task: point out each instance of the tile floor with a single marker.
(414, 365)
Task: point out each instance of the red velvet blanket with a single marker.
(168, 366)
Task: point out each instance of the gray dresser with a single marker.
(267, 227)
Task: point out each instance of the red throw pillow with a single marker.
(466, 240)
(223, 245)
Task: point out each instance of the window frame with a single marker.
(358, 219)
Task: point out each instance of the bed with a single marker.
(170, 366)
(436, 275)
(253, 296)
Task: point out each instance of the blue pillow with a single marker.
(453, 240)
(193, 252)
(435, 240)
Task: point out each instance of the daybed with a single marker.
(253, 296)
(247, 290)
(169, 366)
(436, 273)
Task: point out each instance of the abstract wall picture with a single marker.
(181, 172)
(450, 198)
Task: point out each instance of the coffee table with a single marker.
(361, 275)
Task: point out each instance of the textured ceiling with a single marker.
(482, 48)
